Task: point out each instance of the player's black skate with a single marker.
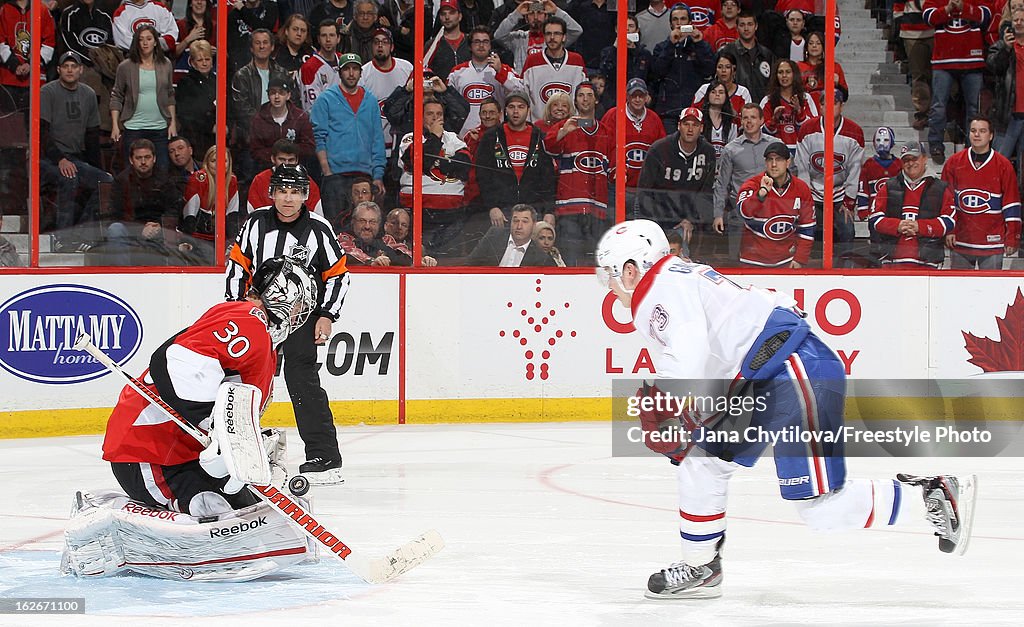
(683, 581)
(322, 471)
(949, 502)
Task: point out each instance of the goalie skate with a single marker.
(949, 504)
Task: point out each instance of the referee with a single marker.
(289, 228)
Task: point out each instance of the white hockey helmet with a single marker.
(288, 292)
(641, 241)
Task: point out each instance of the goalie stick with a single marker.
(370, 570)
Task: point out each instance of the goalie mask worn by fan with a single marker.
(884, 141)
(641, 241)
(288, 292)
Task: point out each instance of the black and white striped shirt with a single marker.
(310, 238)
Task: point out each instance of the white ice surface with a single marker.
(542, 528)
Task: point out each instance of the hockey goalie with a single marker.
(185, 512)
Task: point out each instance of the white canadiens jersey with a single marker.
(703, 322)
(128, 18)
(381, 83)
(475, 84)
(315, 76)
(543, 79)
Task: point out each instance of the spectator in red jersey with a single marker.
(812, 68)
(958, 57)
(987, 202)
(787, 105)
(584, 151)
(912, 213)
(643, 128)
(778, 213)
(703, 13)
(883, 165)
(723, 31)
(284, 152)
(200, 210)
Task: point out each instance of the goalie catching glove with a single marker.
(663, 431)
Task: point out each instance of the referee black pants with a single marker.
(309, 400)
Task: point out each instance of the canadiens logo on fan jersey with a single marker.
(589, 162)
(552, 88)
(701, 17)
(142, 21)
(474, 93)
(517, 155)
(974, 201)
(636, 152)
(778, 227)
(818, 161)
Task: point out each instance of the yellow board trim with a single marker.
(65, 422)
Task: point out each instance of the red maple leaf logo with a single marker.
(1005, 353)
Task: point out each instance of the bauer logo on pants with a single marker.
(38, 327)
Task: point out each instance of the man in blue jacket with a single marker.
(680, 64)
(349, 138)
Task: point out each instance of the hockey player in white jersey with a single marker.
(708, 327)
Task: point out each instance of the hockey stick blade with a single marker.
(378, 570)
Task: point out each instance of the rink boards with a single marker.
(422, 348)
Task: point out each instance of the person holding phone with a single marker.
(679, 65)
(584, 151)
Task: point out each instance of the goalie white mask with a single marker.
(641, 241)
(289, 295)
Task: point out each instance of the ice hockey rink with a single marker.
(542, 527)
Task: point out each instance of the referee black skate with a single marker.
(289, 228)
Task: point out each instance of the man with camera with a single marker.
(680, 64)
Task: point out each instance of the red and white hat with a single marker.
(692, 112)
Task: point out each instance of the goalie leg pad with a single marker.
(112, 533)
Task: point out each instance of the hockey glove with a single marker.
(663, 431)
